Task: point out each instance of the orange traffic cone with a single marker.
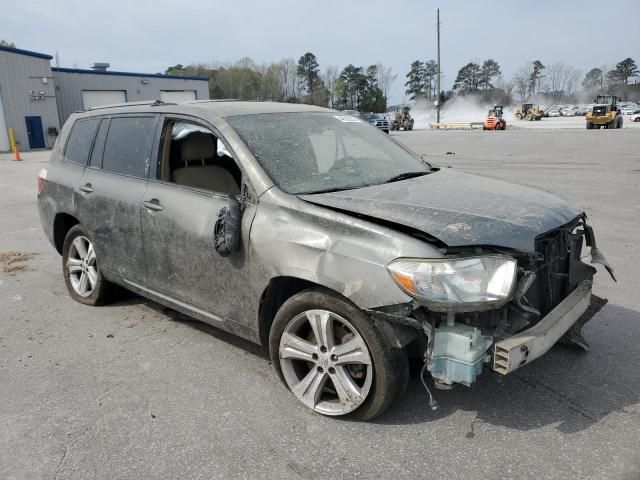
(16, 155)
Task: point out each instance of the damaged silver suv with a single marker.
(312, 232)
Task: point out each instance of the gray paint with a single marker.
(20, 73)
(286, 236)
(459, 209)
(69, 87)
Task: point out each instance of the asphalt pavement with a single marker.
(131, 390)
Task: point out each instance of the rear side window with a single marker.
(128, 145)
(80, 140)
(98, 145)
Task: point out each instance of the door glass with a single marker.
(128, 145)
(80, 140)
(98, 145)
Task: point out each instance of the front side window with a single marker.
(313, 152)
(193, 156)
(80, 140)
(129, 144)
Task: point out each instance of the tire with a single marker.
(378, 383)
(637, 119)
(96, 291)
(519, 116)
(589, 126)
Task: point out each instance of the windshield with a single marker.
(314, 152)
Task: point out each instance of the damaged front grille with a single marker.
(545, 278)
(557, 267)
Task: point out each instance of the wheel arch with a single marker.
(62, 223)
(279, 290)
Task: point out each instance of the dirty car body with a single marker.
(303, 229)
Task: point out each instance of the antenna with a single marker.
(57, 60)
(438, 76)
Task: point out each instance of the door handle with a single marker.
(86, 188)
(153, 205)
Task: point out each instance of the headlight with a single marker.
(461, 284)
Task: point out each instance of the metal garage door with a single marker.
(96, 98)
(177, 95)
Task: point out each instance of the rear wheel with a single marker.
(81, 270)
(333, 358)
(589, 125)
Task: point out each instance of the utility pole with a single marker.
(438, 76)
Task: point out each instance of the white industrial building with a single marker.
(36, 99)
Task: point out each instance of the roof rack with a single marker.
(152, 103)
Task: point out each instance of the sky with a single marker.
(148, 36)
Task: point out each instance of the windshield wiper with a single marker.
(327, 190)
(405, 175)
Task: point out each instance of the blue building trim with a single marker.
(25, 52)
(125, 74)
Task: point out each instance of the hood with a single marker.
(460, 209)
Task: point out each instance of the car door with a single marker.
(178, 223)
(111, 191)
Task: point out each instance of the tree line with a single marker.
(557, 81)
(365, 89)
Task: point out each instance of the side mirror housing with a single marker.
(226, 233)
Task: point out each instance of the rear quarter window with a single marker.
(128, 145)
(80, 140)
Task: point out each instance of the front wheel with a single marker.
(81, 270)
(333, 358)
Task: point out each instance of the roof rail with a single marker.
(128, 104)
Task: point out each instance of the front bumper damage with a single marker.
(524, 347)
(551, 303)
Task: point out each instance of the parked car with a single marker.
(567, 112)
(554, 112)
(635, 117)
(353, 113)
(378, 120)
(628, 110)
(303, 229)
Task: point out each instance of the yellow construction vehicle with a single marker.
(605, 113)
(528, 111)
(400, 118)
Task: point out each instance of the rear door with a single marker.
(111, 191)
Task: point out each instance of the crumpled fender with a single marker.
(290, 237)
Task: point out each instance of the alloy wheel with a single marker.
(326, 362)
(82, 266)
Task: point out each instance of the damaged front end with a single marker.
(511, 307)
